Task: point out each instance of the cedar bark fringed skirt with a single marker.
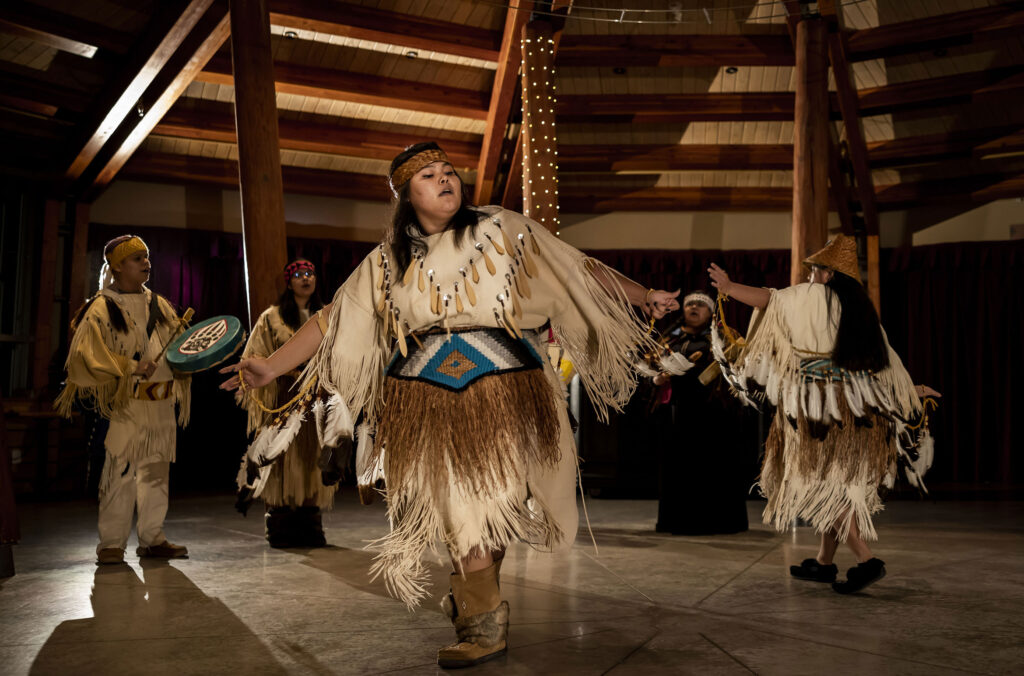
(466, 419)
(827, 468)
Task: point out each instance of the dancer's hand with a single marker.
(256, 371)
(925, 391)
(719, 278)
(145, 368)
(660, 303)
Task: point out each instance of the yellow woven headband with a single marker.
(125, 249)
(409, 168)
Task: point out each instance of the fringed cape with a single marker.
(837, 435)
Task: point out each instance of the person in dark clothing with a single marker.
(706, 454)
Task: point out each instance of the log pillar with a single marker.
(540, 143)
(78, 285)
(42, 336)
(810, 143)
(259, 155)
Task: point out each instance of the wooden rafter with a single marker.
(367, 23)
(27, 89)
(675, 108)
(675, 50)
(946, 30)
(964, 87)
(49, 39)
(165, 34)
(846, 92)
(353, 87)
(72, 30)
(607, 198)
(214, 121)
(679, 157)
(201, 44)
(503, 94)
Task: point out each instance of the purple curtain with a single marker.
(954, 313)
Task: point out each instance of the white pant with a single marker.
(124, 487)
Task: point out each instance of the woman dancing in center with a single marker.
(465, 421)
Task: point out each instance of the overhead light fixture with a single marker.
(619, 71)
(732, 70)
(291, 35)
(411, 54)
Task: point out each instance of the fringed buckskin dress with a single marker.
(836, 434)
(463, 417)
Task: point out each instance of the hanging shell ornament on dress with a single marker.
(470, 293)
(402, 345)
(504, 238)
(383, 300)
(409, 270)
(412, 334)
(476, 273)
(488, 263)
(421, 283)
(517, 310)
(531, 269)
(497, 247)
(444, 322)
(509, 319)
(533, 240)
(524, 285)
(435, 299)
(458, 300)
(498, 320)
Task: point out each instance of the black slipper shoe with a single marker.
(811, 570)
(866, 573)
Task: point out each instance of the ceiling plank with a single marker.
(201, 45)
(979, 189)
(955, 145)
(972, 26)
(163, 36)
(679, 157)
(846, 92)
(326, 83)
(214, 121)
(964, 87)
(72, 29)
(675, 50)
(376, 25)
(503, 94)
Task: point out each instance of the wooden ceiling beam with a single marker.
(623, 51)
(214, 121)
(326, 83)
(605, 199)
(64, 31)
(503, 94)
(49, 39)
(167, 167)
(679, 157)
(979, 189)
(164, 35)
(972, 26)
(201, 44)
(675, 108)
(376, 25)
(965, 87)
(28, 89)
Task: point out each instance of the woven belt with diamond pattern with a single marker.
(457, 360)
(154, 391)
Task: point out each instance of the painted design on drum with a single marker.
(205, 338)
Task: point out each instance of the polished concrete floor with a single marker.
(645, 604)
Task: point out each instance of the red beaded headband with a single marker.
(295, 266)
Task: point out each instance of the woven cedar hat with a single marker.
(840, 254)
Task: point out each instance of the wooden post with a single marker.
(810, 144)
(259, 156)
(874, 290)
(47, 269)
(540, 143)
(78, 286)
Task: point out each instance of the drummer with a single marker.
(116, 368)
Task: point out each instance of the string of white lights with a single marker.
(625, 15)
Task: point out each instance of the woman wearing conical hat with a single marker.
(844, 407)
(438, 340)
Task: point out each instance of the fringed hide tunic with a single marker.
(469, 432)
(294, 479)
(101, 365)
(835, 437)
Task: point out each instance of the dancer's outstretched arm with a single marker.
(750, 295)
(299, 348)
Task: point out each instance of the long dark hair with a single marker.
(402, 237)
(860, 345)
(289, 309)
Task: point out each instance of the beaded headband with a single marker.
(130, 246)
(408, 169)
(295, 266)
(701, 298)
